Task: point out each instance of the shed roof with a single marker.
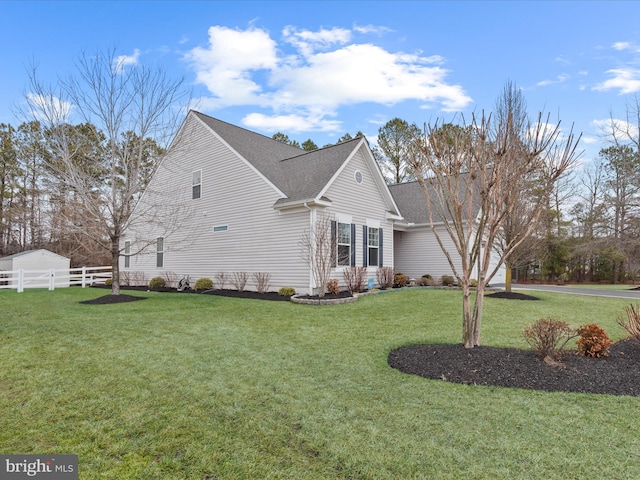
(32, 252)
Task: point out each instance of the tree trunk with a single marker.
(477, 313)
(115, 267)
(470, 320)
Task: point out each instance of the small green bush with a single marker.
(203, 283)
(287, 291)
(427, 281)
(473, 282)
(594, 341)
(447, 280)
(108, 282)
(156, 283)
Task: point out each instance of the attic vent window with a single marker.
(220, 228)
(358, 177)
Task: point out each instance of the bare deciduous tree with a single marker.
(130, 113)
(471, 176)
(319, 252)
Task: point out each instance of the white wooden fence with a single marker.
(53, 278)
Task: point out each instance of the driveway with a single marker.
(632, 294)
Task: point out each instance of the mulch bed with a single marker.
(512, 296)
(617, 374)
(111, 299)
(327, 296)
(273, 296)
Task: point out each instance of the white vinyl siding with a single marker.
(417, 253)
(366, 205)
(258, 238)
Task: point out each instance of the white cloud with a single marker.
(122, 61)
(621, 46)
(325, 71)
(621, 128)
(559, 79)
(290, 123)
(364, 29)
(226, 65)
(625, 80)
(307, 42)
(48, 108)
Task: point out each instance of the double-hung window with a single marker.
(344, 244)
(160, 252)
(196, 185)
(373, 246)
(127, 254)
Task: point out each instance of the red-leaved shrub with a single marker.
(593, 341)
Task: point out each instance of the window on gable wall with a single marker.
(127, 254)
(160, 252)
(344, 244)
(196, 185)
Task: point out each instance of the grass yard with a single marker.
(203, 387)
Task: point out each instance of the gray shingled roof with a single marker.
(298, 174)
(411, 202)
(413, 205)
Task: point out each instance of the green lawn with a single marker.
(202, 387)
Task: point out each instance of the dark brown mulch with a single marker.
(328, 296)
(512, 296)
(617, 374)
(273, 296)
(111, 299)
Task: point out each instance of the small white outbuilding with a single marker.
(38, 264)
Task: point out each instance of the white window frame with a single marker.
(342, 261)
(196, 182)
(371, 247)
(127, 254)
(160, 252)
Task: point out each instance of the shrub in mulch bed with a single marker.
(617, 374)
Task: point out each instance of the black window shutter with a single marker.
(365, 240)
(380, 243)
(334, 242)
(353, 244)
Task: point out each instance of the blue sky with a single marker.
(320, 69)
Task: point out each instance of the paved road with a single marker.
(633, 294)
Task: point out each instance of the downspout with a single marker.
(312, 221)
